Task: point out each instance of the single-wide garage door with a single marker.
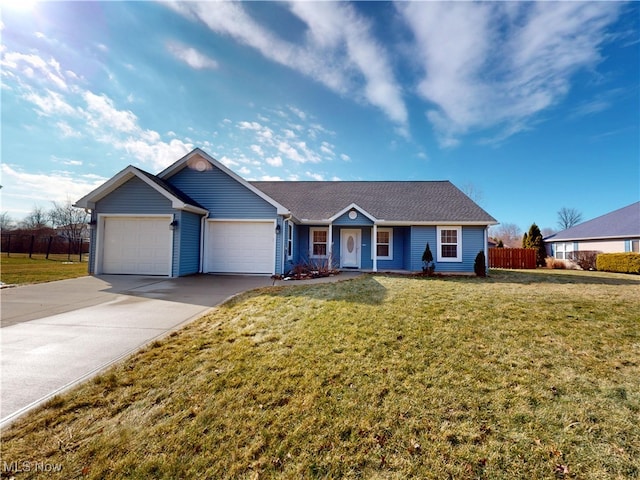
(137, 245)
(240, 247)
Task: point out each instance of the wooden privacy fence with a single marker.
(512, 258)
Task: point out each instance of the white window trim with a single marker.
(289, 245)
(439, 256)
(318, 229)
(375, 246)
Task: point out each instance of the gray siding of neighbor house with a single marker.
(187, 241)
(221, 194)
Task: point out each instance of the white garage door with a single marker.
(240, 247)
(137, 245)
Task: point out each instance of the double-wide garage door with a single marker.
(137, 245)
(240, 247)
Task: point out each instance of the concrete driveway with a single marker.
(57, 334)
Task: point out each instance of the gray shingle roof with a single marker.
(428, 201)
(621, 223)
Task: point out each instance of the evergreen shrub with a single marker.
(619, 262)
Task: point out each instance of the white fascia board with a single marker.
(89, 200)
(120, 178)
(353, 206)
(391, 223)
(589, 239)
(193, 209)
(182, 163)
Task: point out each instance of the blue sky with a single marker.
(532, 106)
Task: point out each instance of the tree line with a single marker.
(62, 218)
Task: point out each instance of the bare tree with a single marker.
(6, 222)
(473, 192)
(69, 221)
(37, 219)
(568, 217)
(509, 233)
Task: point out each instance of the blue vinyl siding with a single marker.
(187, 242)
(134, 197)
(289, 263)
(472, 243)
(419, 238)
(345, 221)
(398, 261)
(281, 239)
(222, 195)
(406, 246)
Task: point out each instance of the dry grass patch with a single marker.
(20, 269)
(522, 375)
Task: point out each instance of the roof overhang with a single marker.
(405, 223)
(201, 160)
(89, 201)
(553, 239)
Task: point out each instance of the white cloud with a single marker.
(316, 176)
(67, 130)
(191, 56)
(102, 113)
(275, 161)
(491, 65)
(35, 67)
(327, 148)
(340, 50)
(257, 149)
(345, 157)
(50, 103)
(19, 186)
(271, 178)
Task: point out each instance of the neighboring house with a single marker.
(617, 231)
(199, 216)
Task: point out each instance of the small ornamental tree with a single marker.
(428, 266)
(480, 265)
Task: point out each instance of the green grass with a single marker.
(528, 375)
(20, 269)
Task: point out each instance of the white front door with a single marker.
(350, 248)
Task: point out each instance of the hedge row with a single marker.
(618, 262)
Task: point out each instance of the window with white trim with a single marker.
(449, 243)
(318, 242)
(635, 246)
(289, 240)
(563, 250)
(384, 244)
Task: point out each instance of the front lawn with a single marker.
(521, 375)
(19, 269)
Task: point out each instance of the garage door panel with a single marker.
(137, 245)
(241, 247)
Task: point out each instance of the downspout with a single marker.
(202, 225)
(374, 247)
(285, 242)
(330, 245)
(486, 249)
